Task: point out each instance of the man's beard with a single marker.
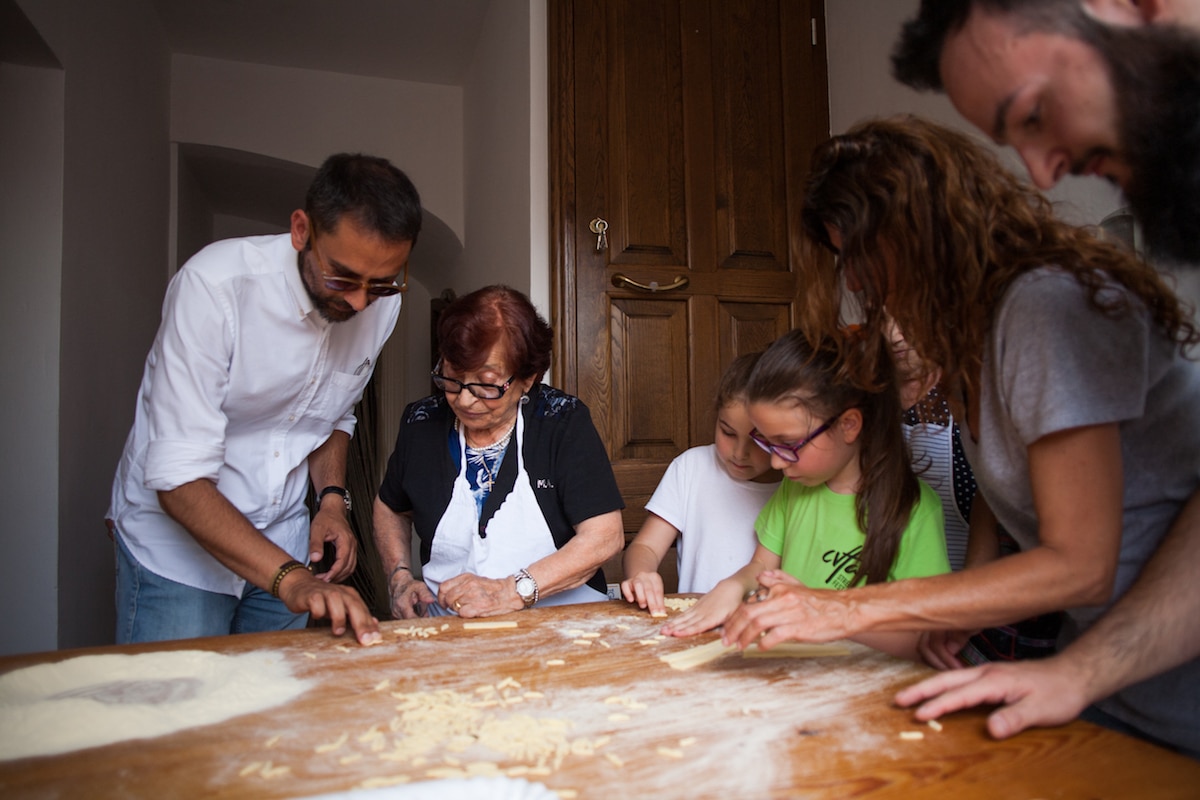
(331, 309)
(1156, 78)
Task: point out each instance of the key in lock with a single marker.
(599, 227)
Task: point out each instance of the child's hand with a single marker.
(777, 577)
(711, 610)
(939, 649)
(645, 589)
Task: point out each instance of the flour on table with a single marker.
(90, 701)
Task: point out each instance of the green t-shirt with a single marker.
(814, 532)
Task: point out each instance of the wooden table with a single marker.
(627, 725)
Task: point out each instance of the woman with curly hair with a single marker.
(1064, 359)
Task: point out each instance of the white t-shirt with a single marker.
(714, 514)
(244, 381)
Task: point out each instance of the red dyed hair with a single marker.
(473, 324)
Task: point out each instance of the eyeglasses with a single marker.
(484, 391)
(791, 452)
(342, 285)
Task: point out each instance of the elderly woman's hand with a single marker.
(472, 596)
(409, 595)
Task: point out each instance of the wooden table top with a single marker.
(610, 721)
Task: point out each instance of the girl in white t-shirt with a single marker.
(706, 504)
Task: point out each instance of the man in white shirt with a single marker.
(266, 344)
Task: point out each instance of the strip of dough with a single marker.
(796, 650)
(489, 625)
(702, 654)
(695, 656)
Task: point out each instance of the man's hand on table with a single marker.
(341, 605)
(1043, 693)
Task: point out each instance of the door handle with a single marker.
(623, 281)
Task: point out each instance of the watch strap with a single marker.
(529, 600)
(338, 490)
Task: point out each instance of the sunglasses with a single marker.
(342, 285)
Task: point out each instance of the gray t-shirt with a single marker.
(1054, 362)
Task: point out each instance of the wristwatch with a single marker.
(527, 587)
(335, 490)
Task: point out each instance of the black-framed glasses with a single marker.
(791, 452)
(342, 285)
(484, 391)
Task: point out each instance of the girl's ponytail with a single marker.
(889, 490)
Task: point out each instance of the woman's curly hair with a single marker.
(935, 229)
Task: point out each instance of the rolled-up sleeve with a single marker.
(190, 380)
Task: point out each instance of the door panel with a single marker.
(748, 154)
(686, 125)
(650, 374)
(643, 175)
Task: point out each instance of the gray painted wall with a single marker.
(113, 181)
(31, 218)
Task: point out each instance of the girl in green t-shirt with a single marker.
(851, 510)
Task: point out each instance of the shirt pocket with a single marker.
(341, 392)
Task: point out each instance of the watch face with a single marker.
(525, 587)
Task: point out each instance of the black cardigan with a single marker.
(566, 461)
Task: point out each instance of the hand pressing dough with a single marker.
(90, 701)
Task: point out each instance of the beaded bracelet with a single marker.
(283, 572)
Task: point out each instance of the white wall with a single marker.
(304, 115)
(31, 227)
(496, 138)
(539, 160)
(861, 36)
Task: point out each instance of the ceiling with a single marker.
(428, 41)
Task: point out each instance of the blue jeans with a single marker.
(151, 608)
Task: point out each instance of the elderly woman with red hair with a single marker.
(505, 480)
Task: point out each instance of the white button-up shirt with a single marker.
(244, 381)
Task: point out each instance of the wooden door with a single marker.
(686, 125)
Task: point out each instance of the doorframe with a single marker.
(561, 79)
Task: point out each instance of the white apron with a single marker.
(517, 535)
